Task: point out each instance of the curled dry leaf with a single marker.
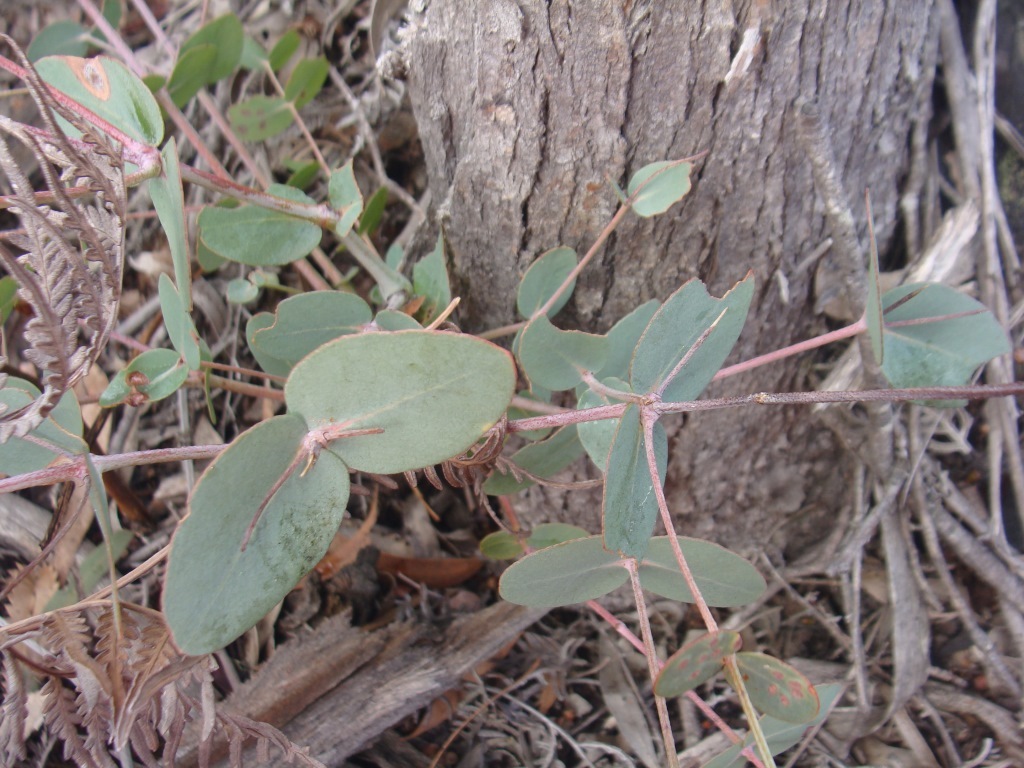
(67, 256)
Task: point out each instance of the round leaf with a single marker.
(214, 591)
(259, 117)
(393, 320)
(272, 365)
(777, 689)
(696, 662)
(597, 436)
(725, 579)
(565, 574)
(630, 506)
(677, 326)
(549, 534)
(555, 359)
(500, 545)
(257, 236)
(191, 73)
(109, 89)
(62, 428)
(307, 79)
(304, 322)
(63, 37)
(434, 394)
(226, 36)
(943, 352)
(542, 280)
(164, 376)
(663, 184)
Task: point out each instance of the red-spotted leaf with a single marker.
(777, 689)
(696, 662)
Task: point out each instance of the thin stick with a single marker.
(653, 665)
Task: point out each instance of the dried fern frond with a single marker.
(70, 263)
(158, 694)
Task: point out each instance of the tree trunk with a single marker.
(527, 109)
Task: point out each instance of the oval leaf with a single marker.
(303, 323)
(307, 79)
(191, 73)
(777, 689)
(597, 436)
(555, 359)
(226, 36)
(564, 574)
(180, 328)
(942, 352)
(500, 545)
(676, 327)
(63, 428)
(259, 117)
(623, 338)
(214, 591)
(542, 280)
(430, 280)
(345, 197)
(549, 534)
(629, 506)
(434, 394)
(108, 88)
(661, 185)
(725, 579)
(696, 662)
(257, 236)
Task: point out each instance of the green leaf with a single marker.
(213, 591)
(180, 328)
(272, 365)
(345, 197)
(676, 327)
(8, 297)
(500, 545)
(164, 374)
(430, 280)
(304, 322)
(257, 236)
(303, 175)
(943, 352)
(253, 54)
(549, 534)
(556, 359)
(623, 338)
(63, 37)
(696, 662)
(109, 89)
(242, 291)
(169, 201)
(777, 689)
(630, 506)
(393, 320)
(284, 49)
(663, 184)
(373, 211)
(565, 574)
(779, 735)
(307, 79)
(62, 428)
(544, 459)
(191, 73)
(209, 261)
(725, 579)
(434, 394)
(226, 36)
(259, 117)
(597, 436)
(542, 280)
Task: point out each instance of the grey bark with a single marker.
(525, 109)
